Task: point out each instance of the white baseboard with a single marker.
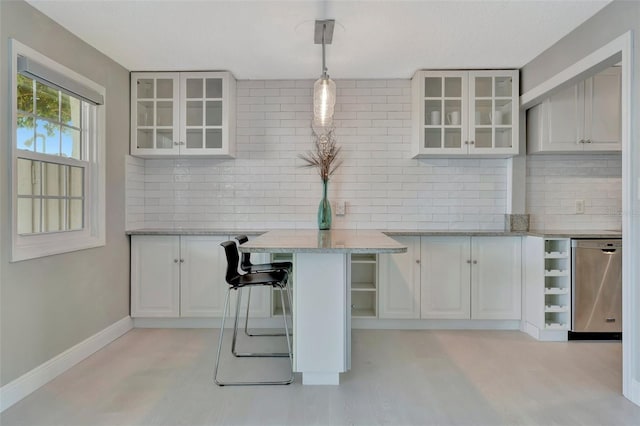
(432, 324)
(19, 388)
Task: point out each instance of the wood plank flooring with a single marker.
(398, 377)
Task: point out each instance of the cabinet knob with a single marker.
(176, 143)
(581, 141)
(181, 260)
(469, 261)
(588, 140)
(418, 261)
(472, 142)
(475, 262)
(175, 260)
(466, 142)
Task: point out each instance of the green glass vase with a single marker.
(324, 209)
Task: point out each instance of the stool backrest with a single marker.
(231, 251)
(245, 264)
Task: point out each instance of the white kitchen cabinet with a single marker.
(581, 118)
(471, 278)
(444, 275)
(186, 114)
(184, 276)
(547, 265)
(399, 281)
(364, 285)
(469, 113)
(496, 277)
(155, 276)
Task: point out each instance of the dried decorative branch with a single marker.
(325, 156)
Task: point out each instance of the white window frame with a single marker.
(92, 234)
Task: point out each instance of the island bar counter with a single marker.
(322, 293)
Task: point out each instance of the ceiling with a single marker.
(265, 39)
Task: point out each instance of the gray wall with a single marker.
(612, 21)
(47, 305)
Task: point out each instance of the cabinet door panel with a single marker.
(202, 280)
(155, 276)
(564, 115)
(399, 276)
(603, 111)
(444, 277)
(496, 278)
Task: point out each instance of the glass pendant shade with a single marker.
(324, 101)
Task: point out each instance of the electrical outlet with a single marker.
(340, 208)
(579, 206)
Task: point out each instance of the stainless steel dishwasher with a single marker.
(596, 288)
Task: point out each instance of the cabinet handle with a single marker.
(588, 140)
(581, 141)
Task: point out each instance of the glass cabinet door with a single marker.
(443, 111)
(156, 112)
(203, 105)
(492, 111)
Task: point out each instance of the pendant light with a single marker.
(324, 89)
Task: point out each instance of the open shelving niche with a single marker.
(364, 285)
(557, 284)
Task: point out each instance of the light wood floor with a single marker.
(163, 377)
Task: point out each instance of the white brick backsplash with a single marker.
(554, 183)
(265, 187)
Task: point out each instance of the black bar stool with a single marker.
(275, 279)
(248, 267)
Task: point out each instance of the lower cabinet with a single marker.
(399, 276)
(183, 276)
(452, 278)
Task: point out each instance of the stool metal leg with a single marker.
(290, 354)
(246, 318)
(235, 335)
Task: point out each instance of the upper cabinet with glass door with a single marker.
(183, 114)
(470, 113)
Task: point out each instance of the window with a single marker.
(58, 170)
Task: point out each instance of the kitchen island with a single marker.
(321, 307)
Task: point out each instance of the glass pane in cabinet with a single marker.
(503, 137)
(144, 139)
(194, 139)
(165, 113)
(164, 139)
(482, 115)
(194, 113)
(194, 88)
(214, 88)
(145, 113)
(453, 112)
(433, 113)
(145, 88)
(432, 138)
(213, 139)
(165, 88)
(483, 87)
(483, 138)
(432, 87)
(214, 113)
(452, 138)
(503, 112)
(503, 87)
(453, 87)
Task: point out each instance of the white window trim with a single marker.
(25, 247)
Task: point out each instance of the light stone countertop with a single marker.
(331, 241)
(396, 232)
